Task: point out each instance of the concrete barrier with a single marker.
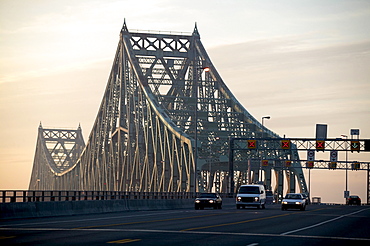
(63, 208)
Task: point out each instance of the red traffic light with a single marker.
(252, 144)
(309, 164)
(320, 144)
(285, 144)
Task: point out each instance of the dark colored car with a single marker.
(293, 200)
(305, 196)
(353, 200)
(204, 200)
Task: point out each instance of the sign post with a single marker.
(346, 194)
(333, 159)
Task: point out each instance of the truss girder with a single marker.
(57, 152)
(164, 123)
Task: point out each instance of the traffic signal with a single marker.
(355, 146)
(367, 145)
(288, 163)
(355, 166)
(285, 144)
(265, 163)
(309, 164)
(252, 144)
(332, 165)
(320, 145)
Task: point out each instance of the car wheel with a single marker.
(263, 206)
(303, 208)
(282, 208)
(237, 206)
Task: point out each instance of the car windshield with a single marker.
(207, 195)
(293, 196)
(249, 190)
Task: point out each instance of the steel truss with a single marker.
(262, 156)
(164, 122)
(57, 152)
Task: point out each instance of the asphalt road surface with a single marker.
(318, 225)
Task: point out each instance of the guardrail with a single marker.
(50, 196)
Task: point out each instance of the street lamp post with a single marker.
(265, 117)
(260, 172)
(211, 158)
(205, 69)
(346, 191)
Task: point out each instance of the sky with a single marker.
(300, 62)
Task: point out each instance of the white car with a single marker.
(294, 200)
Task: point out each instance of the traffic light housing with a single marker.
(285, 144)
(320, 145)
(288, 163)
(332, 165)
(265, 163)
(309, 164)
(355, 146)
(355, 166)
(252, 144)
(367, 145)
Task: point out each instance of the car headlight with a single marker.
(298, 203)
(256, 199)
(197, 201)
(211, 201)
(284, 202)
(238, 198)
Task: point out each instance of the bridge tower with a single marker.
(57, 152)
(165, 122)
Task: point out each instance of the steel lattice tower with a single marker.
(57, 152)
(165, 121)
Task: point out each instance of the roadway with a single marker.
(318, 225)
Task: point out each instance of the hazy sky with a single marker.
(301, 62)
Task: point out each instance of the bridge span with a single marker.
(163, 125)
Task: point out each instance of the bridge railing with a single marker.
(50, 196)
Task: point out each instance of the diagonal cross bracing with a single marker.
(164, 122)
(57, 152)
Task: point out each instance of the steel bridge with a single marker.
(163, 125)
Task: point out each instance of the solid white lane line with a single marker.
(324, 222)
(81, 220)
(186, 232)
